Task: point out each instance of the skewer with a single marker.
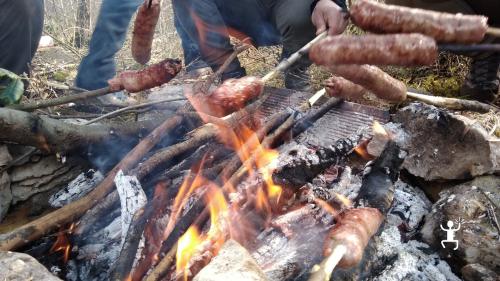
(286, 63)
(493, 31)
(324, 270)
(464, 48)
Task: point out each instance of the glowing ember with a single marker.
(327, 207)
(62, 243)
(187, 245)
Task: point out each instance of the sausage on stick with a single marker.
(444, 27)
(144, 30)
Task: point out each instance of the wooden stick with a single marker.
(324, 270)
(50, 222)
(493, 31)
(132, 107)
(163, 266)
(61, 100)
(286, 63)
(465, 48)
(453, 103)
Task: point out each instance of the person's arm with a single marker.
(329, 15)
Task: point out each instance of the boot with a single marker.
(482, 82)
(298, 79)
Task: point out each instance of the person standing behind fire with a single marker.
(482, 82)
(292, 23)
(109, 35)
(21, 25)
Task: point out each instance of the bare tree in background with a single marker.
(82, 23)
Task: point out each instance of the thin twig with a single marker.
(132, 107)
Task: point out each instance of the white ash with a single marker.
(411, 261)
(76, 189)
(410, 206)
(132, 198)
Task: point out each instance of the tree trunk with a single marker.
(82, 23)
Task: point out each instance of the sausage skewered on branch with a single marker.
(444, 27)
(150, 77)
(393, 49)
(144, 30)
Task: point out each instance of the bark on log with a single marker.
(52, 135)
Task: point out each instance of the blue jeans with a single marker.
(267, 22)
(108, 38)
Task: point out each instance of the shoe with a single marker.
(482, 82)
(298, 79)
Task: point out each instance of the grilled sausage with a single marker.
(443, 27)
(354, 229)
(393, 49)
(150, 77)
(339, 87)
(144, 30)
(373, 79)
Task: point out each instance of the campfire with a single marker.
(248, 182)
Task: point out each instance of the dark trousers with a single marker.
(207, 23)
(21, 25)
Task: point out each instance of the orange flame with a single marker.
(344, 200)
(62, 243)
(186, 247)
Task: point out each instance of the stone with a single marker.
(5, 191)
(42, 173)
(474, 205)
(22, 267)
(445, 146)
(474, 272)
(232, 263)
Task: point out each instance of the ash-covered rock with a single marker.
(232, 263)
(22, 267)
(5, 191)
(474, 204)
(442, 145)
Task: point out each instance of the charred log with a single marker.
(301, 164)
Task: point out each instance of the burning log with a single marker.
(69, 213)
(300, 164)
(52, 135)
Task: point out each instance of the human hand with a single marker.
(328, 16)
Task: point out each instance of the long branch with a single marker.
(61, 100)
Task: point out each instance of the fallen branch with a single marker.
(71, 212)
(454, 104)
(52, 135)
